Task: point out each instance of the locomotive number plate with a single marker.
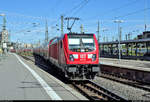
(82, 57)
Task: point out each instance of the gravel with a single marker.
(126, 91)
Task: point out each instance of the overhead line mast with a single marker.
(98, 32)
(62, 25)
(46, 32)
(145, 15)
(81, 27)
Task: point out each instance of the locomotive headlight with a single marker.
(75, 56)
(71, 57)
(93, 57)
(90, 55)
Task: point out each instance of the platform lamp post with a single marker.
(119, 35)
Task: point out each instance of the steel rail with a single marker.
(93, 91)
(122, 80)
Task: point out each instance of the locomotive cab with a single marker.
(82, 56)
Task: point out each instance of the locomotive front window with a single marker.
(74, 43)
(81, 44)
(88, 42)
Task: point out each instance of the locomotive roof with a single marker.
(79, 35)
(86, 34)
(73, 34)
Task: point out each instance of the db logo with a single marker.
(83, 56)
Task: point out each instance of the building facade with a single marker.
(145, 35)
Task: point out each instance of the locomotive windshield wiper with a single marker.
(90, 48)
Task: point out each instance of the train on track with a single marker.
(76, 55)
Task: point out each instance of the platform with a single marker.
(22, 80)
(129, 64)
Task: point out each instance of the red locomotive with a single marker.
(77, 55)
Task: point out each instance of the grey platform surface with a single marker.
(17, 83)
(124, 63)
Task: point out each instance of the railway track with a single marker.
(133, 83)
(95, 92)
(27, 58)
(90, 89)
(137, 84)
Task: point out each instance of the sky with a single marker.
(26, 18)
